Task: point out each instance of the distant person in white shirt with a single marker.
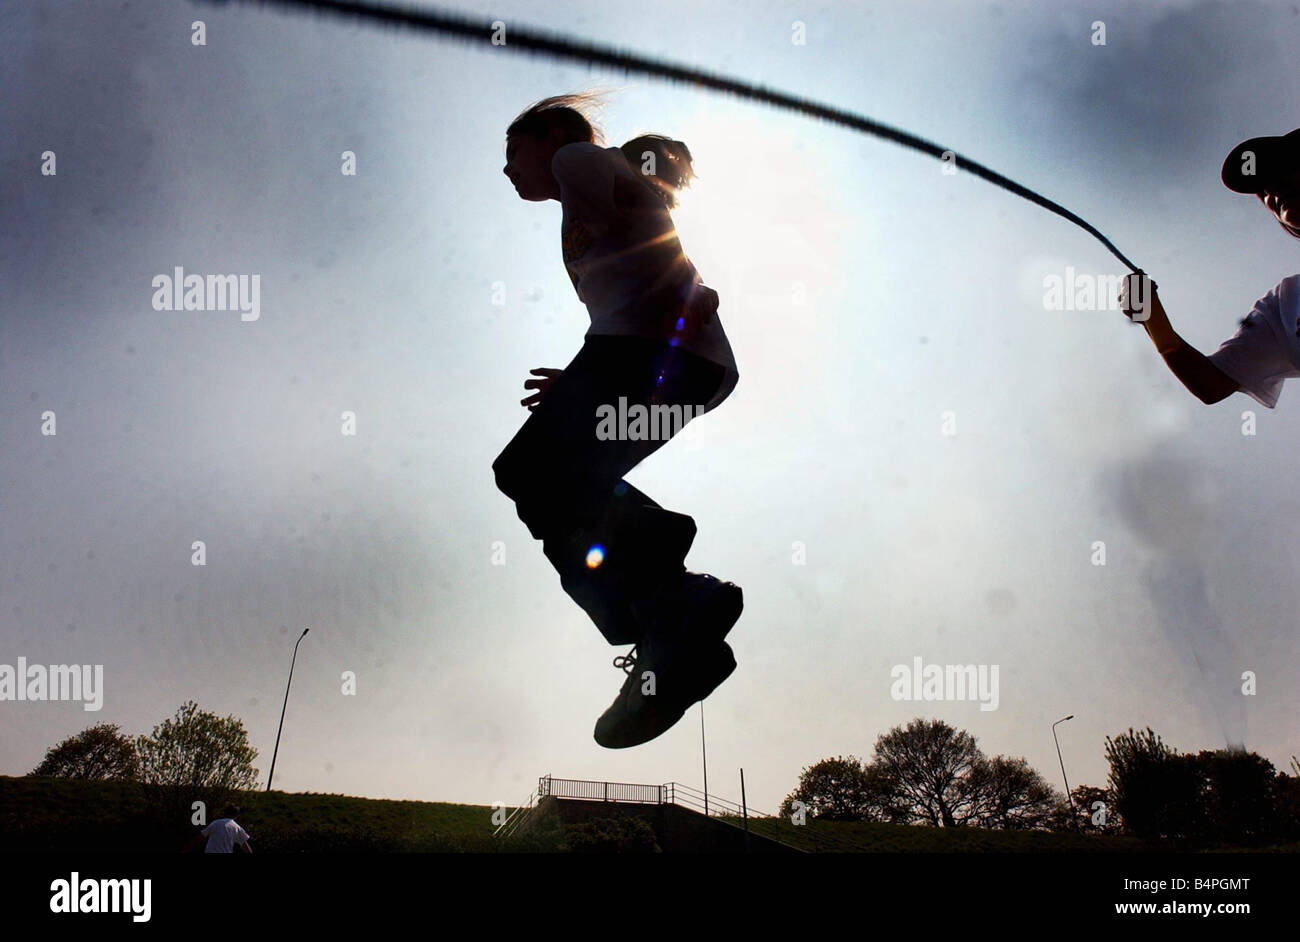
(655, 355)
(223, 836)
(1265, 350)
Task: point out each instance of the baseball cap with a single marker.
(1275, 158)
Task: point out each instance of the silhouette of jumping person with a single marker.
(654, 357)
(1265, 350)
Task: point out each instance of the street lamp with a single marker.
(1073, 816)
(704, 758)
(285, 707)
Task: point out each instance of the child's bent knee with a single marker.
(509, 479)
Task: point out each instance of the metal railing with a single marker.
(712, 805)
(516, 818)
(601, 791)
(670, 793)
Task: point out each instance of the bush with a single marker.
(612, 835)
(100, 752)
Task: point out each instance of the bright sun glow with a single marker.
(758, 222)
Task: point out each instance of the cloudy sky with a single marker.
(923, 296)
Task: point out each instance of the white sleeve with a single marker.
(241, 836)
(1255, 356)
(586, 178)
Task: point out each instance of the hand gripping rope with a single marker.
(456, 26)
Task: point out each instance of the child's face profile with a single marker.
(528, 165)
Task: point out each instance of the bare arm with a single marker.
(1202, 378)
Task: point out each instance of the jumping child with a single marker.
(1265, 350)
(655, 348)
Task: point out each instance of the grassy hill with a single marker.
(47, 814)
(63, 815)
(859, 836)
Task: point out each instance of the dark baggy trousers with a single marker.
(610, 543)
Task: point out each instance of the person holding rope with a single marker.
(655, 344)
(1265, 350)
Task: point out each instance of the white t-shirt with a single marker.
(223, 834)
(1265, 350)
(616, 257)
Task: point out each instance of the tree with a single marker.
(1224, 797)
(1131, 756)
(926, 767)
(1242, 797)
(196, 756)
(1093, 812)
(928, 773)
(1007, 793)
(839, 789)
(1157, 792)
(99, 752)
(1288, 805)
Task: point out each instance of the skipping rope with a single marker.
(458, 27)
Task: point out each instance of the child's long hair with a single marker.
(662, 162)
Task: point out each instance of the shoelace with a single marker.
(626, 662)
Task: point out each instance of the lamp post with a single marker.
(704, 757)
(744, 808)
(1070, 797)
(285, 707)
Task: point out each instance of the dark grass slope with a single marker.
(47, 815)
(858, 836)
(61, 815)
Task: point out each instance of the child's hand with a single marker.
(533, 401)
(1137, 297)
(699, 311)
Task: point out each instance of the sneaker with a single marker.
(636, 717)
(709, 606)
(685, 672)
(712, 606)
(716, 664)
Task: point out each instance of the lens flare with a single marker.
(595, 556)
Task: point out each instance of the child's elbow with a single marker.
(1212, 396)
(1215, 386)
